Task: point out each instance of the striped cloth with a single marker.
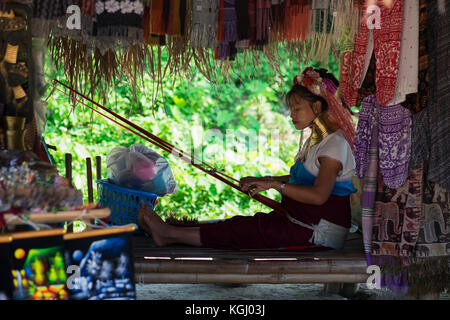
(431, 126)
(369, 175)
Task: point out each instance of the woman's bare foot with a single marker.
(154, 225)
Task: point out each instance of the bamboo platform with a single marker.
(184, 264)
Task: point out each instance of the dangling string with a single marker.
(34, 225)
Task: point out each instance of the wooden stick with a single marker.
(35, 234)
(98, 166)
(59, 217)
(5, 238)
(248, 278)
(100, 232)
(69, 168)
(89, 180)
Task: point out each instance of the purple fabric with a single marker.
(363, 135)
(330, 86)
(370, 187)
(395, 144)
(230, 21)
(394, 138)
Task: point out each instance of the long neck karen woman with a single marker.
(315, 193)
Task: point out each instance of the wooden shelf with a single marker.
(62, 216)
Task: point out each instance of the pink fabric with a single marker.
(387, 53)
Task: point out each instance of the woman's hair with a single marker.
(303, 93)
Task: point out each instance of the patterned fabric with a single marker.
(364, 135)
(397, 217)
(394, 139)
(415, 102)
(204, 23)
(386, 42)
(395, 144)
(431, 126)
(370, 186)
(408, 66)
(439, 99)
(434, 236)
(117, 18)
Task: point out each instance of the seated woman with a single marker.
(317, 190)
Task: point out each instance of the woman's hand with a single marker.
(253, 185)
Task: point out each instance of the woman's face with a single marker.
(301, 112)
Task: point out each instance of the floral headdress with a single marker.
(326, 89)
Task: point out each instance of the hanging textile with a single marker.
(174, 19)
(118, 20)
(408, 65)
(205, 15)
(416, 102)
(394, 141)
(263, 21)
(366, 156)
(227, 34)
(386, 45)
(431, 126)
(432, 250)
(397, 217)
(158, 24)
(297, 15)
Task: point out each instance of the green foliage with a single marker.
(245, 104)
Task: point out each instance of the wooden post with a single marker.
(89, 180)
(98, 166)
(69, 168)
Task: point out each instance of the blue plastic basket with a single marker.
(123, 202)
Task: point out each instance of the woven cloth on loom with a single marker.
(431, 126)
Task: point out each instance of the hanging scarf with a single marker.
(119, 20)
(398, 217)
(263, 18)
(367, 139)
(415, 102)
(432, 270)
(387, 53)
(205, 14)
(45, 15)
(438, 104)
(227, 35)
(408, 65)
(295, 25)
(158, 24)
(174, 20)
(394, 130)
(243, 23)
